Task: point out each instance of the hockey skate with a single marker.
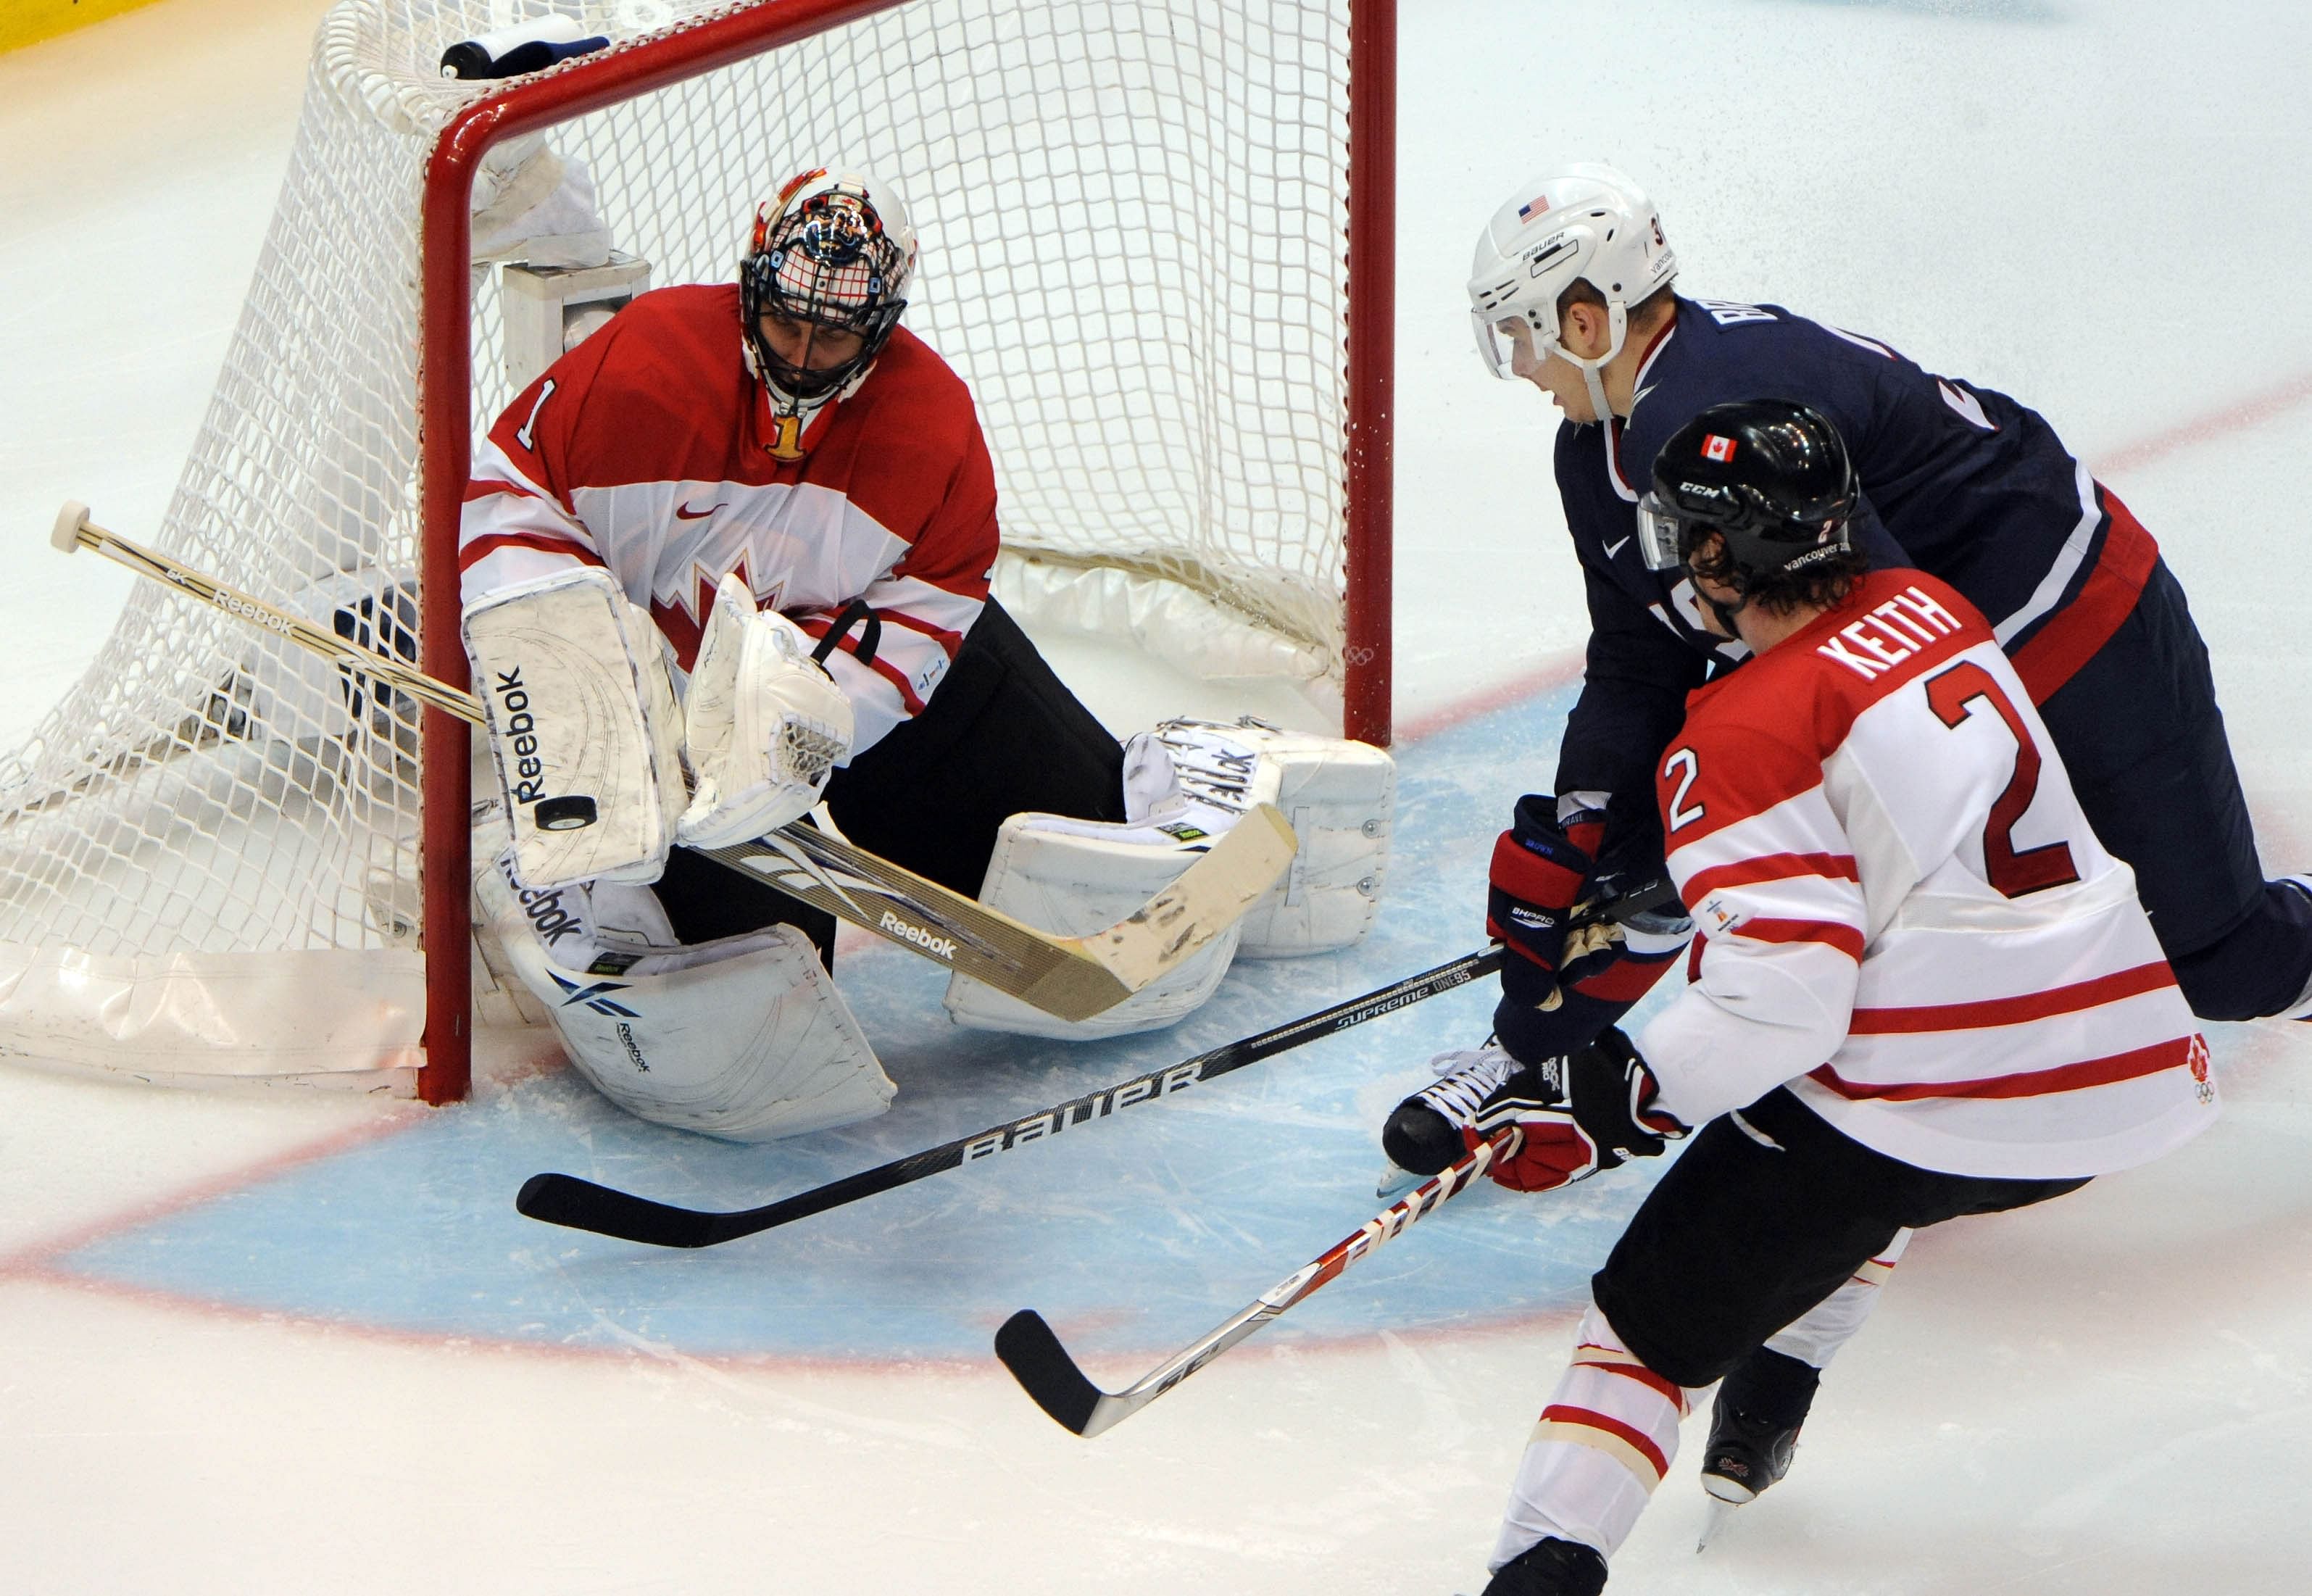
(1744, 1455)
(1551, 1567)
(1477, 1091)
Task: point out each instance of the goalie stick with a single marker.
(1073, 978)
(1044, 1370)
(582, 1204)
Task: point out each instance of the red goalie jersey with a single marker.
(648, 449)
(1905, 916)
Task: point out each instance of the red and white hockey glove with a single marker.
(1595, 1109)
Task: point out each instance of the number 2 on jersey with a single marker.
(1679, 814)
(1952, 695)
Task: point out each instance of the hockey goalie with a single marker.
(728, 560)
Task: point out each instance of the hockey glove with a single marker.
(1537, 878)
(1477, 1092)
(1570, 981)
(1596, 1109)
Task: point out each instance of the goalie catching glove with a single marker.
(1580, 1113)
(764, 725)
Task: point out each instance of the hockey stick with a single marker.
(1044, 1370)
(581, 1205)
(1073, 978)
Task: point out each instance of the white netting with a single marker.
(1132, 216)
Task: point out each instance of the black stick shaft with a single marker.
(581, 1205)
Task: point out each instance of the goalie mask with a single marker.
(833, 250)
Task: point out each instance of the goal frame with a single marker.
(445, 386)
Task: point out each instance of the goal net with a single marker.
(222, 858)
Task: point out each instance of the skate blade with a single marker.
(1395, 1182)
(1721, 1508)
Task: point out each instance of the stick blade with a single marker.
(1026, 1346)
(1206, 898)
(583, 1206)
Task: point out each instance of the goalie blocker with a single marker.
(583, 730)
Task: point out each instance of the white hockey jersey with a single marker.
(1903, 914)
(648, 449)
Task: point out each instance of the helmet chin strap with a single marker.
(1724, 612)
(1617, 320)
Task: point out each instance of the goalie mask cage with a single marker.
(1156, 242)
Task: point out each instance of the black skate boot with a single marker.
(1477, 1091)
(1551, 1567)
(1753, 1430)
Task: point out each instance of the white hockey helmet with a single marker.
(835, 248)
(1586, 223)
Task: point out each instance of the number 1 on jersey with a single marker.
(1952, 695)
(522, 432)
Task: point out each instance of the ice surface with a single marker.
(304, 1345)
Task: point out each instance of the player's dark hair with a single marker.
(1823, 583)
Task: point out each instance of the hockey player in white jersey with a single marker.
(729, 557)
(1921, 989)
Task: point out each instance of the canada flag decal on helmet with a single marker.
(1717, 448)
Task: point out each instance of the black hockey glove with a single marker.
(1612, 1093)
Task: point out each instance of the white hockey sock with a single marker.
(1816, 1335)
(1603, 1444)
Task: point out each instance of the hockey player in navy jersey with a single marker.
(1574, 289)
(1922, 989)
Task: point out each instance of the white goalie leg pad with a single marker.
(745, 1039)
(764, 725)
(1073, 877)
(1340, 796)
(583, 727)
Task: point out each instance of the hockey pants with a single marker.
(2143, 740)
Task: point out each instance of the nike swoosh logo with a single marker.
(684, 513)
(1614, 549)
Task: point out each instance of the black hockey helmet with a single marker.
(1769, 475)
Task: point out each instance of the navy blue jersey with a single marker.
(1957, 481)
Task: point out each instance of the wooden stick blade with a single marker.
(1208, 898)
